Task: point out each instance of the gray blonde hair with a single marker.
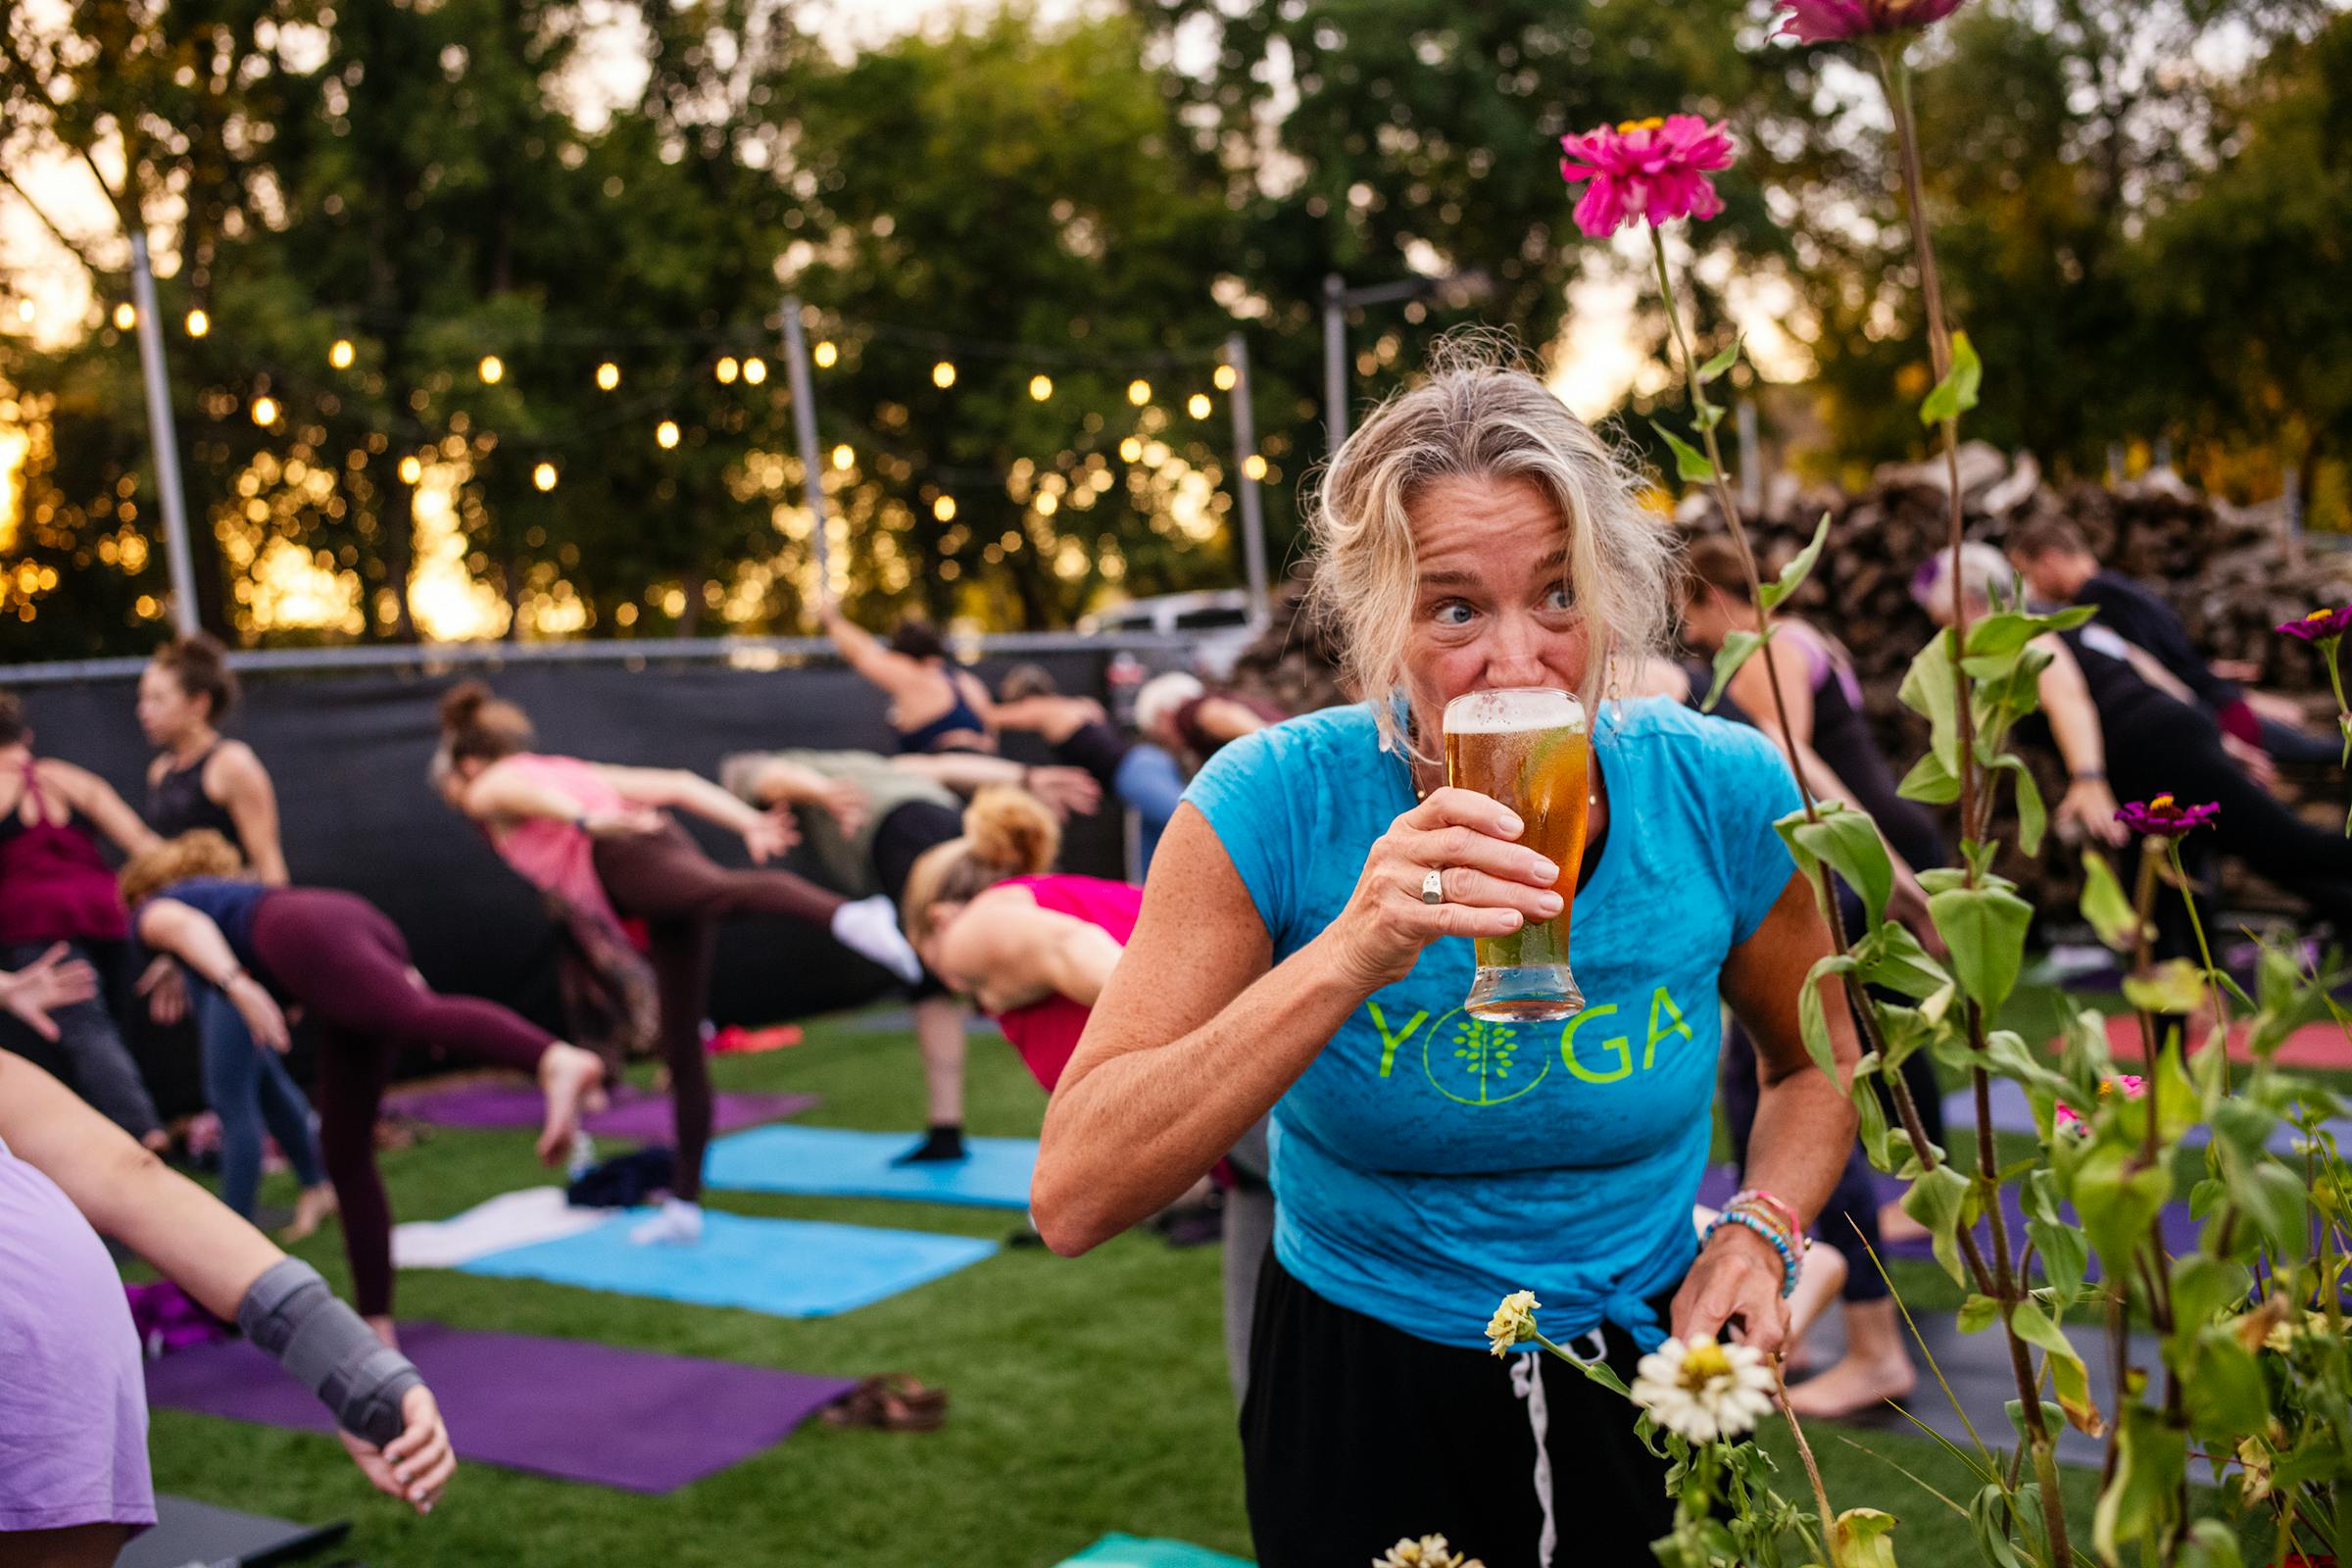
(1479, 415)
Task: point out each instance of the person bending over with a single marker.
(936, 704)
(1144, 778)
(596, 834)
(1194, 721)
(74, 1476)
(1302, 948)
(346, 964)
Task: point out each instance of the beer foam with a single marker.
(1508, 712)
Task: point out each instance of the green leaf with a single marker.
(1984, 928)
(1861, 1538)
(1689, 463)
(1989, 1515)
(1937, 1200)
(1722, 362)
(2117, 1200)
(1930, 782)
(2065, 1254)
(1735, 650)
(1869, 1120)
(2210, 1544)
(1927, 690)
(2174, 985)
(2105, 906)
(2007, 1055)
(1812, 1020)
(1848, 839)
(1957, 393)
(2068, 1379)
(2224, 1384)
(2274, 1198)
(2032, 817)
(1892, 957)
(1800, 566)
(1979, 1313)
(2151, 1460)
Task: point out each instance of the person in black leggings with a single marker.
(344, 962)
(2110, 723)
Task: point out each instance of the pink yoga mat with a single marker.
(493, 1103)
(570, 1408)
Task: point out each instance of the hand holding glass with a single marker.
(1527, 748)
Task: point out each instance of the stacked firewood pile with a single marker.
(2230, 572)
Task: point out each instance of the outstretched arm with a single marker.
(189, 935)
(764, 833)
(2089, 802)
(95, 799)
(865, 653)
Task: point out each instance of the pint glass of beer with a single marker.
(1527, 748)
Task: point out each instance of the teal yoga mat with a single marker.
(838, 1162)
(1136, 1551)
(784, 1267)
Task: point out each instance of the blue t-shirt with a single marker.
(229, 904)
(1426, 1164)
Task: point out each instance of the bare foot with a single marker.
(566, 1075)
(1853, 1386)
(312, 1210)
(1894, 1225)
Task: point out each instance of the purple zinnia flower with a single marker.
(1835, 21)
(2164, 818)
(2320, 625)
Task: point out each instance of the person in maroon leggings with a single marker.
(344, 962)
(596, 834)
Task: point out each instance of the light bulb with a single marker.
(1254, 467)
(341, 354)
(944, 509)
(1197, 405)
(1139, 391)
(666, 434)
(199, 324)
(843, 456)
(543, 475)
(1226, 377)
(607, 375)
(1041, 387)
(491, 369)
(943, 376)
(824, 353)
(411, 470)
(725, 370)
(127, 316)
(755, 369)
(264, 410)
(1131, 450)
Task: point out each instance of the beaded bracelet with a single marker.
(1757, 1195)
(1762, 1206)
(1749, 1221)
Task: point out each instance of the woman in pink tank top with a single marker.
(1032, 948)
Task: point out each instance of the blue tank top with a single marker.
(230, 904)
(1426, 1164)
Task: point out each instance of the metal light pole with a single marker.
(162, 439)
(1458, 289)
(803, 424)
(1245, 447)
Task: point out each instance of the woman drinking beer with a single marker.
(1301, 949)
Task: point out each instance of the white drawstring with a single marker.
(1527, 1381)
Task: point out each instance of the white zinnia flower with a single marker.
(1702, 1390)
(1430, 1551)
(1514, 1320)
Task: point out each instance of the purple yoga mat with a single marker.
(570, 1408)
(493, 1103)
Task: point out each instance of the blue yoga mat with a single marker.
(837, 1162)
(1136, 1551)
(784, 1267)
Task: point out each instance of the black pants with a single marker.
(903, 838)
(1355, 1434)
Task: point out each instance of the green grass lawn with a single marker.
(1087, 1396)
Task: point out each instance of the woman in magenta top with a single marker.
(1033, 950)
(595, 835)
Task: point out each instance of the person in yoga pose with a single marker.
(200, 780)
(596, 834)
(346, 964)
(936, 704)
(55, 887)
(1195, 721)
(74, 1475)
(1143, 776)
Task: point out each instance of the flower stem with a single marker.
(1805, 1452)
(2221, 1008)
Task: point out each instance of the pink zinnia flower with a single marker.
(2319, 626)
(2068, 1120)
(1649, 169)
(1835, 21)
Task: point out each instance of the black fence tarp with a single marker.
(349, 753)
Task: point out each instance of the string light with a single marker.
(1046, 504)
(725, 370)
(843, 456)
(944, 509)
(608, 376)
(666, 434)
(1131, 450)
(824, 353)
(755, 369)
(1197, 405)
(126, 316)
(265, 410)
(341, 354)
(491, 369)
(199, 322)
(1254, 467)
(544, 477)
(1227, 378)
(943, 376)
(1041, 387)
(24, 310)
(1139, 391)
(411, 470)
